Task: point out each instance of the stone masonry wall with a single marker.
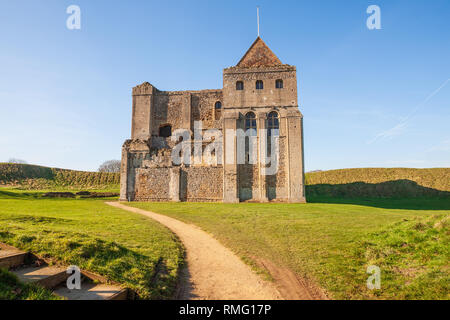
(202, 184)
(181, 108)
(203, 104)
(152, 184)
(268, 96)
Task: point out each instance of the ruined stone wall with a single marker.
(167, 110)
(181, 108)
(203, 108)
(196, 184)
(141, 111)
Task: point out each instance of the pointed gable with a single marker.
(259, 55)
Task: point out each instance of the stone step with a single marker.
(45, 276)
(92, 291)
(24, 266)
(12, 258)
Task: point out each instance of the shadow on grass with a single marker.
(398, 194)
(19, 195)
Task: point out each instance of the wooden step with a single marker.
(45, 276)
(92, 291)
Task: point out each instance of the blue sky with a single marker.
(370, 98)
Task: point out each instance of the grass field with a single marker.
(396, 219)
(333, 243)
(126, 248)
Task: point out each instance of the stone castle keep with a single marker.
(258, 93)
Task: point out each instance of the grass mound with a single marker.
(379, 183)
(37, 177)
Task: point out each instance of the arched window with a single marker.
(259, 85)
(250, 122)
(273, 127)
(272, 122)
(279, 84)
(165, 131)
(239, 85)
(218, 105)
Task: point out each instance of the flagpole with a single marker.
(257, 18)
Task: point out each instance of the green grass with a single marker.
(12, 289)
(414, 255)
(331, 240)
(125, 247)
(333, 243)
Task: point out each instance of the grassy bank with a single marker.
(379, 183)
(333, 244)
(33, 177)
(126, 248)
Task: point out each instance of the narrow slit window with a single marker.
(217, 110)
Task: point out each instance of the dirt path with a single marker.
(213, 271)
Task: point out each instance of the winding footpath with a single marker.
(213, 271)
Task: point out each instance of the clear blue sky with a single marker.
(369, 98)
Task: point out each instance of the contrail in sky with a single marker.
(402, 124)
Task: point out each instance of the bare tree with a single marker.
(14, 160)
(110, 166)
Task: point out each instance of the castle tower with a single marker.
(260, 86)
